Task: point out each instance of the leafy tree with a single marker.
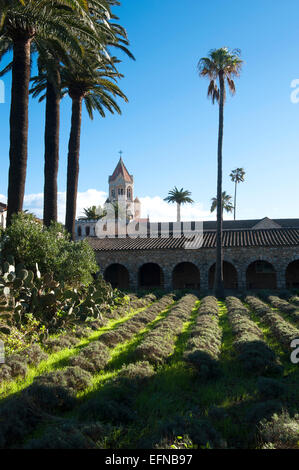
(179, 196)
(237, 176)
(226, 203)
(29, 242)
(220, 67)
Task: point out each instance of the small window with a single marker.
(87, 231)
(79, 232)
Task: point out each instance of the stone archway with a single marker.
(261, 275)
(230, 276)
(118, 276)
(292, 275)
(186, 275)
(150, 275)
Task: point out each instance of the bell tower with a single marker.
(121, 186)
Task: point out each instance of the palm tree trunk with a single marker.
(18, 150)
(73, 165)
(51, 151)
(235, 202)
(178, 212)
(219, 290)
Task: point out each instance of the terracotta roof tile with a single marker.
(121, 170)
(230, 239)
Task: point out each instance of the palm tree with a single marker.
(49, 81)
(237, 176)
(51, 55)
(221, 66)
(179, 196)
(226, 203)
(21, 22)
(93, 81)
(93, 213)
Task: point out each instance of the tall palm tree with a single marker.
(179, 196)
(93, 81)
(21, 22)
(220, 67)
(226, 203)
(49, 82)
(237, 176)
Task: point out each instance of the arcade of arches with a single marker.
(258, 274)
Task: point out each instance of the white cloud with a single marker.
(157, 209)
(3, 198)
(91, 197)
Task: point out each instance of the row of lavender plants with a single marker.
(160, 342)
(204, 346)
(253, 352)
(283, 331)
(17, 364)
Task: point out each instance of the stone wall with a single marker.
(204, 258)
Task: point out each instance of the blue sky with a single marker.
(168, 130)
